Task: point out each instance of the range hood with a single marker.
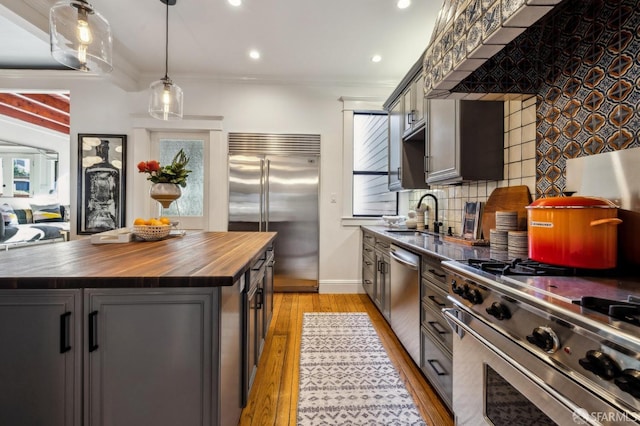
(470, 33)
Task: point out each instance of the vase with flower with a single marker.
(166, 180)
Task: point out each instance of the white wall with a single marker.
(100, 107)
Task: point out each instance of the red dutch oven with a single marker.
(578, 232)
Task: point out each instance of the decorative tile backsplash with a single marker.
(581, 61)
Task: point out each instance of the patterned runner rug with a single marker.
(346, 377)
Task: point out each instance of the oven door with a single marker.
(490, 387)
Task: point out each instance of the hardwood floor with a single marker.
(274, 396)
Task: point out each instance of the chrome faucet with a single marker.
(436, 224)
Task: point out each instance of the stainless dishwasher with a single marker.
(405, 299)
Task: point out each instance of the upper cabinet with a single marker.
(464, 141)
(406, 108)
(395, 145)
(414, 106)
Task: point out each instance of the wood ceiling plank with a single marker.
(53, 101)
(26, 106)
(33, 119)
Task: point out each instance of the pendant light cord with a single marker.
(166, 45)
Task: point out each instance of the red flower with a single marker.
(176, 172)
(153, 166)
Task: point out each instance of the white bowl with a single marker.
(393, 220)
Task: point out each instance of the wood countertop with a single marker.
(198, 259)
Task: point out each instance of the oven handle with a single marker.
(453, 319)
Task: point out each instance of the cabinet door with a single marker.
(419, 101)
(40, 360)
(408, 110)
(268, 292)
(395, 145)
(386, 287)
(443, 140)
(149, 357)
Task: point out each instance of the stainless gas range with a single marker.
(535, 347)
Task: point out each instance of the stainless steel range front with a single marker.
(541, 349)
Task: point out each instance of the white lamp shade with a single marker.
(165, 102)
(80, 37)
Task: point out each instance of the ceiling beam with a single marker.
(39, 109)
(33, 119)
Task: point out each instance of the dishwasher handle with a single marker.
(406, 262)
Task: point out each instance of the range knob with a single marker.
(544, 338)
(499, 311)
(601, 364)
(629, 381)
(456, 288)
(474, 296)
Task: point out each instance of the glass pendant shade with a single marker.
(80, 37)
(165, 102)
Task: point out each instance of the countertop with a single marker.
(198, 259)
(430, 244)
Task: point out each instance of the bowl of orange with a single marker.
(151, 229)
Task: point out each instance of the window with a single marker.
(190, 208)
(371, 196)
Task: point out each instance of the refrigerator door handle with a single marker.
(266, 192)
(261, 206)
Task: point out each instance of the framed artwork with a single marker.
(101, 182)
(471, 218)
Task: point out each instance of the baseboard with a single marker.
(340, 286)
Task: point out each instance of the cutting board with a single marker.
(511, 198)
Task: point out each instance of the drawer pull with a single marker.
(437, 327)
(65, 332)
(368, 282)
(93, 331)
(433, 299)
(433, 271)
(437, 367)
(366, 262)
(368, 250)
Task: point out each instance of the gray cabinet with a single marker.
(376, 271)
(407, 109)
(382, 297)
(414, 106)
(41, 357)
(368, 262)
(396, 128)
(436, 337)
(465, 141)
(150, 357)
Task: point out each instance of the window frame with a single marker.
(368, 173)
(349, 105)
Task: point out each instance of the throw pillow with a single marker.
(9, 216)
(48, 213)
(24, 216)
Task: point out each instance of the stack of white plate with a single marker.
(498, 239)
(501, 255)
(506, 221)
(518, 245)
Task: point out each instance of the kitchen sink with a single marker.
(411, 232)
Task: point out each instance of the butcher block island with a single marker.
(162, 332)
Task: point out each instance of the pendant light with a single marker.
(165, 102)
(80, 37)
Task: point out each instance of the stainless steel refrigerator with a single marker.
(279, 193)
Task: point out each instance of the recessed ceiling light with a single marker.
(402, 4)
(235, 2)
(376, 58)
(254, 54)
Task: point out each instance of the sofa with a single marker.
(25, 223)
